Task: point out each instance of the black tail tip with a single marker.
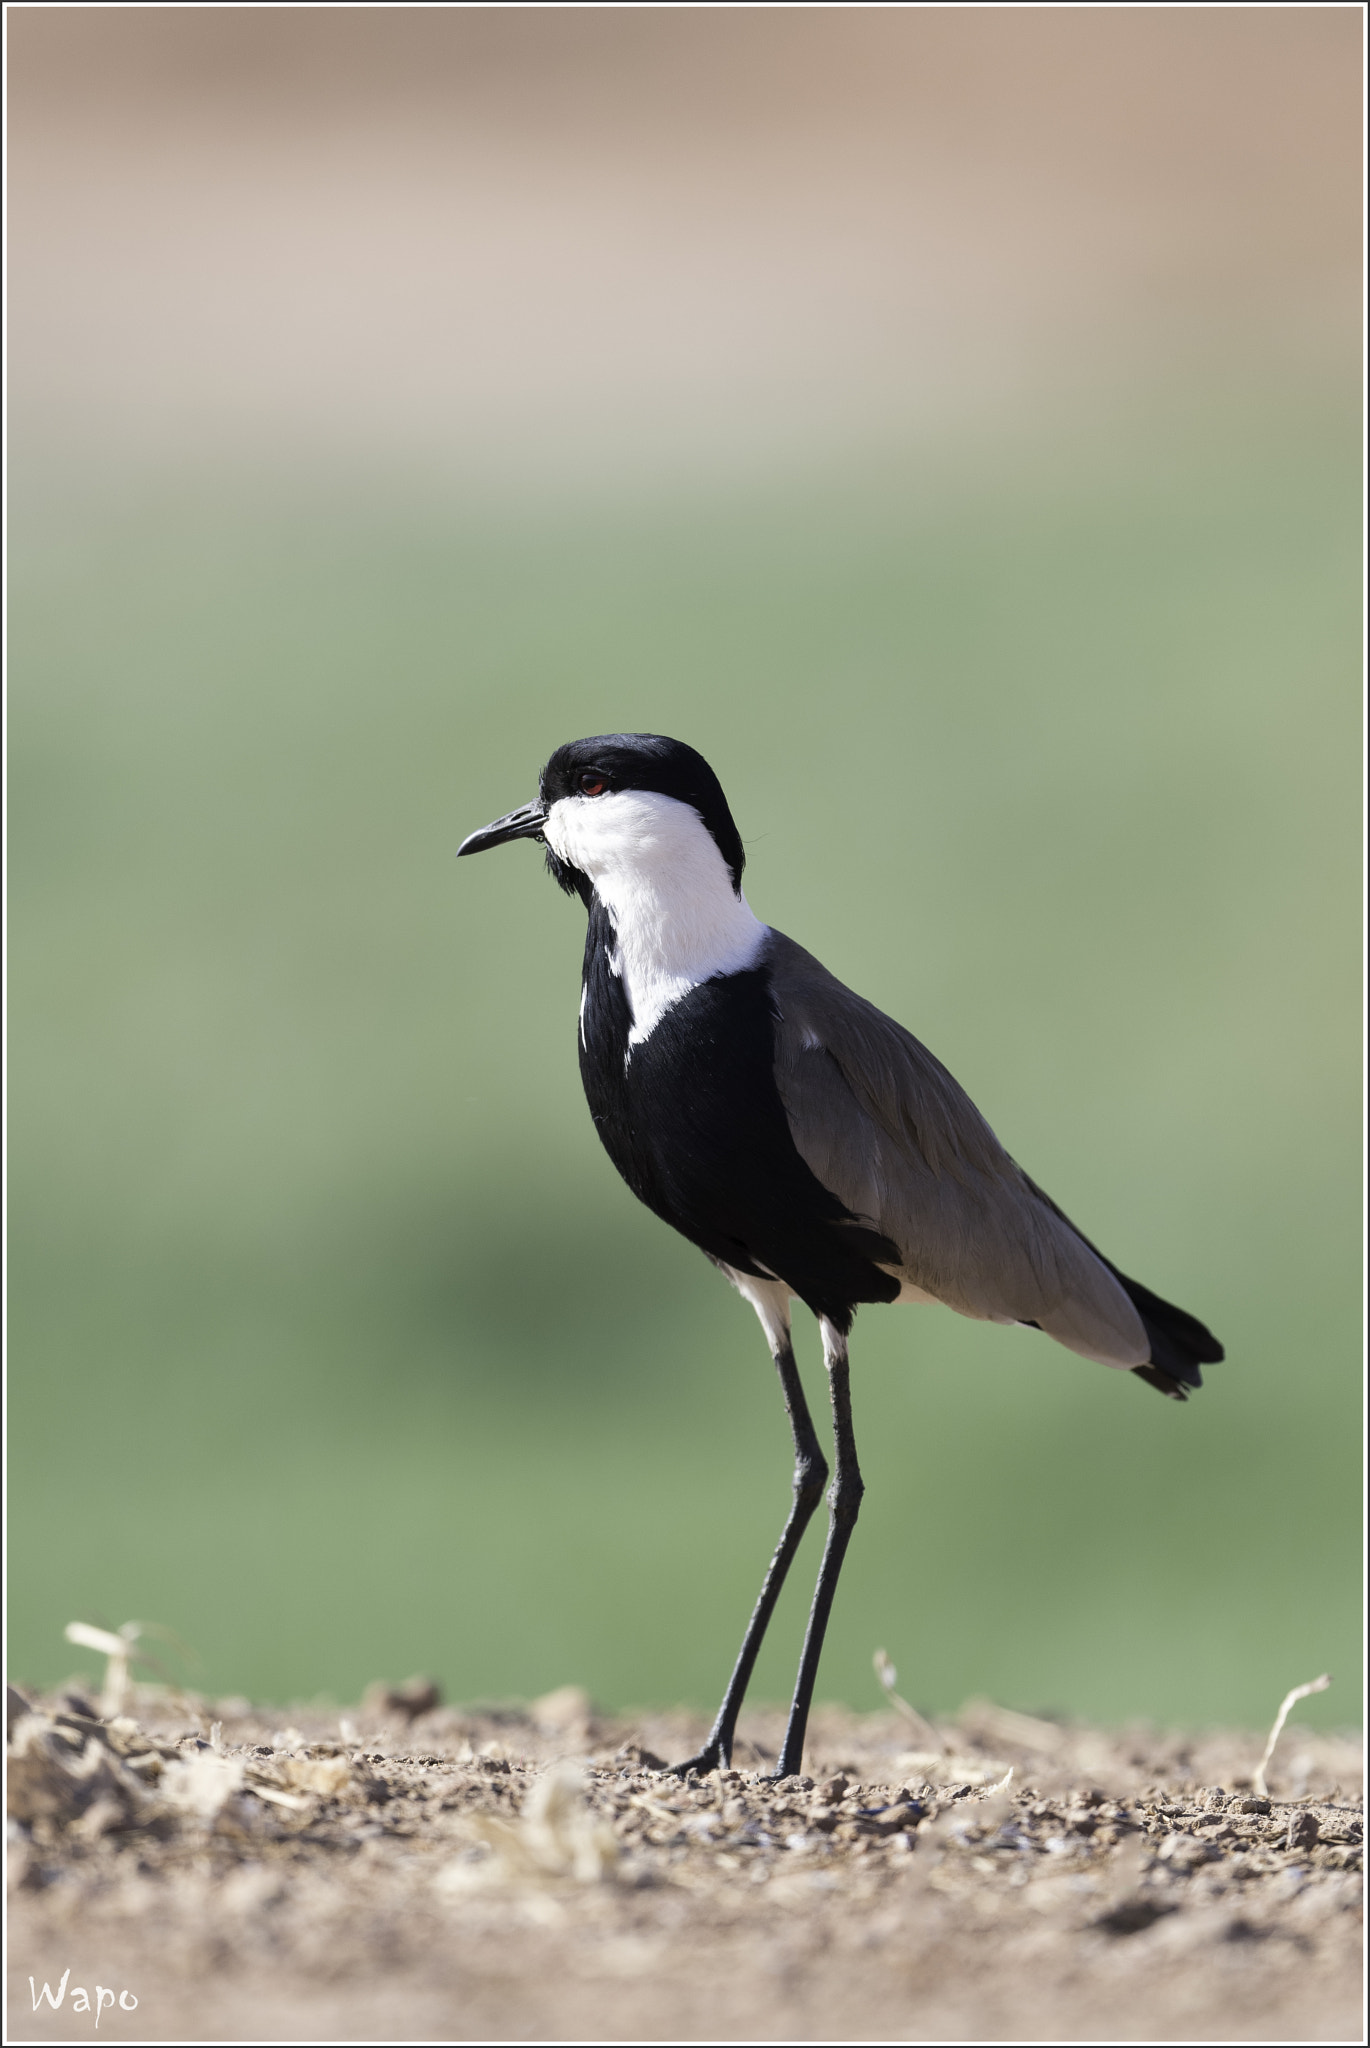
(1180, 1343)
(1164, 1383)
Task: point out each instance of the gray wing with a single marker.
(883, 1125)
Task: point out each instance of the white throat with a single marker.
(658, 872)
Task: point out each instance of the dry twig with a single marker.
(889, 1678)
(1300, 1692)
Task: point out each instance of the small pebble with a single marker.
(1303, 1831)
(1184, 1852)
(899, 1820)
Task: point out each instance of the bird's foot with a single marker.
(786, 1766)
(711, 1758)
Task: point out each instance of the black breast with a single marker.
(692, 1119)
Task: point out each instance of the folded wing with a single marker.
(884, 1126)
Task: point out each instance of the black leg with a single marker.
(810, 1472)
(844, 1503)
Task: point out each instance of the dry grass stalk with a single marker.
(889, 1678)
(1006, 1724)
(119, 1647)
(558, 1835)
(1300, 1692)
(202, 1784)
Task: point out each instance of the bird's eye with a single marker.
(592, 784)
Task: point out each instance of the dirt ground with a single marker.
(416, 1872)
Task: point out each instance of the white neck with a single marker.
(658, 872)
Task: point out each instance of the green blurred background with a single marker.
(946, 421)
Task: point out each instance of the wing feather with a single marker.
(888, 1130)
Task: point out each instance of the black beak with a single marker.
(524, 823)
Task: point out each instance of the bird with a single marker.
(804, 1141)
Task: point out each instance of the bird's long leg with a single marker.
(810, 1473)
(844, 1503)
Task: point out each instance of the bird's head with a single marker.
(622, 805)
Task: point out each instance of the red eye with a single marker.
(591, 784)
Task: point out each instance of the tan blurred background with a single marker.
(614, 239)
(946, 419)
